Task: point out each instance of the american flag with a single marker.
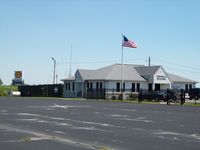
(128, 43)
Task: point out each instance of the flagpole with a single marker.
(130, 44)
(122, 69)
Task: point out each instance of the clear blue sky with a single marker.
(33, 31)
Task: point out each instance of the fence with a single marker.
(110, 94)
(128, 94)
(113, 94)
(95, 94)
(47, 90)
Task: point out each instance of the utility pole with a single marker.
(149, 61)
(70, 63)
(54, 69)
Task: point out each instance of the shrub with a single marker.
(5, 89)
(114, 98)
(2, 91)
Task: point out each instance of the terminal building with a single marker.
(135, 77)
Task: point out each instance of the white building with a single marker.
(136, 77)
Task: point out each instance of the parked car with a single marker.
(170, 94)
(194, 93)
(14, 93)
(152, 95)
(187, 96)
(163, 95)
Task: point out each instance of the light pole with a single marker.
(54, 69)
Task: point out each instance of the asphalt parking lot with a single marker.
(54, 124)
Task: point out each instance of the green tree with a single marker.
(1, 82)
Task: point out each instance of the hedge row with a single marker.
(4, 89)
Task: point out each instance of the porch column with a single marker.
(153, 86)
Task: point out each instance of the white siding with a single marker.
(128, 85)
(182, 85)
(112, 84)
(164, 86)
(68, 90)
(144, 85)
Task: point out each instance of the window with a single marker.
(190, 86)
(186, 87)
(101, 86)
(91, 85)
(118, 87)
(73, 86)
(66, 86)
(150, 87)
(133, 87)
(124, 88)
(97, 86)
(69, 86)
(88, 85)
(157, 87)
(138, 87)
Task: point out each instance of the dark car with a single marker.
(152, 95)
(159, 95)
(194, 93)
(170, 94)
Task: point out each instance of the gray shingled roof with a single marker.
(147, 70)
(112, 72)
(175, 78)
(86, 74)
(69, 78)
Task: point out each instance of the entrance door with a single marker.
(118, 87)
(150, 87)
(157, 87)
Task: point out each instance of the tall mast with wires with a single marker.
(70, 62)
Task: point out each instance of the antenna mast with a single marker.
(70, 62)
(149, 61)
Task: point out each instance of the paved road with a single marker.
(30, 123)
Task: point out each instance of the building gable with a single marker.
(161, 77)
(78, 77)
